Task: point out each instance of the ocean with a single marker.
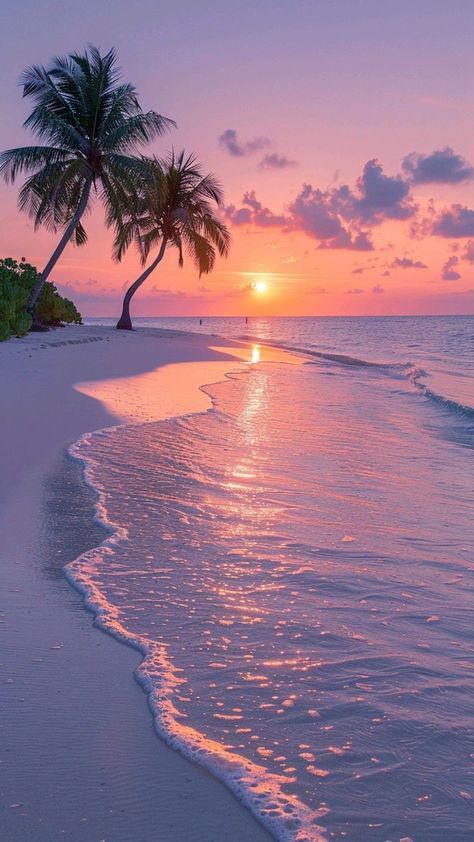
(297, 567)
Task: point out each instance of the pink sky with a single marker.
(307, 109)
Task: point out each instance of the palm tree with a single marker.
(174, 206)
(90, 123)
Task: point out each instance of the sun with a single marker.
(260, 286)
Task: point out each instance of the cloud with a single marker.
(379, 197)
(468, 253)
(385, 274)
(336, 216)
(407, 263)
(273, 161)
(85, 290)
(377, 289)
(358, 242)
(250, 199)
(166, 292)
(230, 143)
(358, 271)
(253, 212)
(354, 291)
(203, 289)
(241, 290)
(319, 291)
(314, 213)
(448, 272)
(456, 221)
(238, 216)
(443, 166)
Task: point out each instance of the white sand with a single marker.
(79, 757)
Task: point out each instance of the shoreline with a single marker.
(69, 773)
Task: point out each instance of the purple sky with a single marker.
(273, 96)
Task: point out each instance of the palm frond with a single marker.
(123, 103)
(136, 130)
(123, 239)
(28, 158)
(179, 245)
(39, 84)
(216, 232)
(80, 236)
(202, 252)
(50, 195)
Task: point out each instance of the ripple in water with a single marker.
(296, 565)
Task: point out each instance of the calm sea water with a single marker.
(442, 347)
(297, 566)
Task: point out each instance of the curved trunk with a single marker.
(125, 322)
(59, 248)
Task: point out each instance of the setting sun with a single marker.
(261, 286)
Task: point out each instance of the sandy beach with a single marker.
(80, 759)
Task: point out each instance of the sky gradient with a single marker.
(343, 134)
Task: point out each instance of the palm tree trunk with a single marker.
(60, 247)
(125, 322)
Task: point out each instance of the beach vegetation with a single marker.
(90, 126)
(17, 280)
(175, 205)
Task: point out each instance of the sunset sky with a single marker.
(342, 132)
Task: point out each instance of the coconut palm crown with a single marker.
(89, 124)
(174, 205)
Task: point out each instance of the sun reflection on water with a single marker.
(255, 358)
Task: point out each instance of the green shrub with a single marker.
(21, 323)
(17, 280)
(5, 331)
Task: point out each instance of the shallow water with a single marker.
(297, 566)
(440, 349)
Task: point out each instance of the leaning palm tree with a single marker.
(173, 206)
(90, 124)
